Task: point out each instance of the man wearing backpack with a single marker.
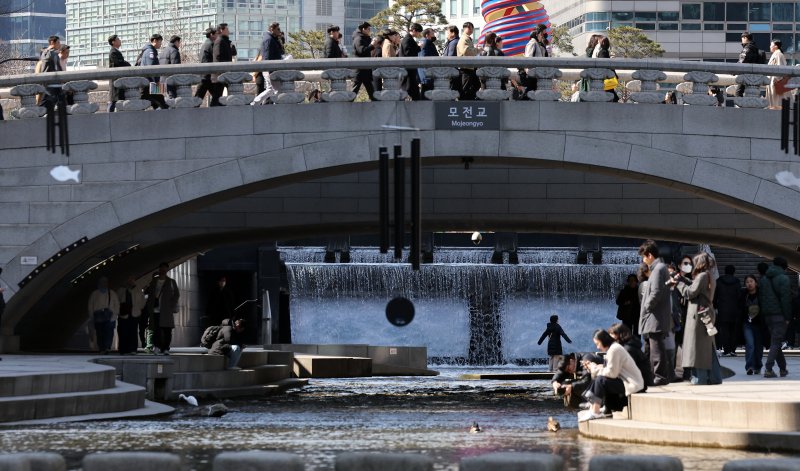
(229, 342)
(774, 300)
(749, 55)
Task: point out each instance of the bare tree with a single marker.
(176, 24)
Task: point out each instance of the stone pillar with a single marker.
(284, 83)
(131, 460)
(596, 91)
(779, 464)
(699, 95)
(258, 461)
(27, 96)
(752, 91)
(493, 79)
(43, 461)
(183, 84)
(80, 94)
(383, 461)
(544, 84)
(512, 461)
(234, 81)
(133, 93)
(339, 91)
(441, 83)
(635, 463)
(649, 89)
(391, 76)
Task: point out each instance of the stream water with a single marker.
(430, 415)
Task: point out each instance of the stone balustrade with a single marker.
(287, 76)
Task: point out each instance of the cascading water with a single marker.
(472, 312)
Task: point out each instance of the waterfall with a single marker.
(465, 308)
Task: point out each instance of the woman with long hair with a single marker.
(699, 349)
(754, 326)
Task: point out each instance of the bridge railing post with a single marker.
(27, 96)
(80, 95)
(649, 89)
(339, 91)
(752, 91)
(183, 91)
(700, 82)
(234, 82)
(544, 84)
(441, 83)
(286, 87)
(596, 78)
(133, 93)
(492, 89)
(392, 77)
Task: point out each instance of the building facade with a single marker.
(91, 22)
(26, 25)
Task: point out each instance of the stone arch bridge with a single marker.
(183, 180)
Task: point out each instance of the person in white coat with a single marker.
(773, 97)
(103, 310)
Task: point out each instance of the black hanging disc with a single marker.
(400, 311)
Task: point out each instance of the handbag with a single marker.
(610, 84)
(780, 85)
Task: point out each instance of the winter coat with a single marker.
(388, 49)
(603, 53)
(698, 346)
(749, 54)
(167, 302)
(727, 297)
(409, 47)
(429, 49)
(116, 59)
(173, 55)
(619, 364)
(134, 308)
(774, 296)
(332, 49)
(465, 47)
(52, 62)
(655, 315)
(634, 349)
(207, 51)
(451, 47)
(362, 44)
(555, 332)
(535, 49)
(271, 48)
(222, 49)
(99, 300)
(150, 57)
(491, 51)
(226, 337)
(628, 307)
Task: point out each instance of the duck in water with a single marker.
(553, 425)
(475, 428)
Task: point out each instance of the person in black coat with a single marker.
(727, 302)
(173, 56)
(115, 59)
(222, 52)
(628, 303)
(271, 44)
(332, 48)
(410, 48)
(363, 45)
(749, 55)
(207, 56)
(554, 349)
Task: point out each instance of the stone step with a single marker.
(276, 387)
(720, 407)
(89, 378)
(635, 431)
(315, 366)
(121, 397)
(230, 378)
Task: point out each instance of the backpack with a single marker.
(139, 57)
(210, 336)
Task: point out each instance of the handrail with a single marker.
(403, 62)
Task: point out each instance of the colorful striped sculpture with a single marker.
(513, 20)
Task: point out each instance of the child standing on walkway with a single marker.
(555, 332)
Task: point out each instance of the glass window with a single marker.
(733, 38)
(668, 16)
(646, 26)
(762, 41)
(597, 16)
(644, 16)
(714, 27)
(760, 12)
(691, 11)
(736, 12)
(621, 15)
(714, 11)
(782, 11)
(453, 7)
(760, 27)
(597, 26)
(668, 26)
(782, 27)
(787, 42)
(617, 24)
(737, 27)
(465, 7)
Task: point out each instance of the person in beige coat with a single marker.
(391, 42)
(103, 310)
(779, 59)
(470, 84)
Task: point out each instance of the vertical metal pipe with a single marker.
(383, 197)
(399, 201)
(416, 201)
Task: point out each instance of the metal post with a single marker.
(399, 201)
(266, 319)
(416, 200)
(383, 197)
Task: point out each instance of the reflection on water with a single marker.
(429, 415)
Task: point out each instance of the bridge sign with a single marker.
(468, 115)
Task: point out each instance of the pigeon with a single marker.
(190, 399)
(475, 428)
(553, 425)
(63, 173)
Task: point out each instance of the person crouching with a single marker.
(618, 377)
(230, 342)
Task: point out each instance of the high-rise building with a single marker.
(25, 25)
(91, 22)
(347, 14)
